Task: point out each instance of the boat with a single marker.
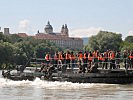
(94, 75)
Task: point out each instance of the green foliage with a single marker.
(129, 39)
(20, 57)
(126, 46)
(86, 48)
(15, 50)
(43, 48)
(4, 38)
(6, 54)
(25, 47)
(14, 38)
(105, 40)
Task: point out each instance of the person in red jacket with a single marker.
(67, 58)
(47, 58)
(72, 60)
(131, 60)
(101, 60)
(112, 60)
(85, 59)
(106, 61)
(90, 58)
(56, 58)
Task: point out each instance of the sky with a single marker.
(83, 17)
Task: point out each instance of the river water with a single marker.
(44, 90)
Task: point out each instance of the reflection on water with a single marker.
(42, 90)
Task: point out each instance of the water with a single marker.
(44, 90)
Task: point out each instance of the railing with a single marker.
(118, 62)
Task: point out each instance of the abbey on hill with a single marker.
(61, 38)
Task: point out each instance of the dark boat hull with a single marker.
(19, 76)
(112, 77)
(99, 79)
(103, 76)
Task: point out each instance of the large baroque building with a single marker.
(61, 38)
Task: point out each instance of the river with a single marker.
(44, 90)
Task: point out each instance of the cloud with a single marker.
(129, 33)
(24, 27)
(85, 32)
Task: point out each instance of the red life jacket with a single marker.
(112, 55)
(47, 57)
(80, 56)
(90, 58)
(131, 57)
(72, 57)
(101, 58)
(85, 56)
(67, 56)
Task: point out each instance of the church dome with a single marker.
(48, 26)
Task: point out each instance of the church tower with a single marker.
(48, 28)
(64, 30)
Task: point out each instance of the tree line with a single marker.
(105, 40)
(15, 50)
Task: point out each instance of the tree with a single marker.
(126, 46)
(129, 39)
(41, 50)
(26, 47)
(6, 54)
(15, 50)
(20, 57)
(4, 38)
(13, 38)
(105, 40)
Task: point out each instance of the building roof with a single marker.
(22, 35)
(51, 36)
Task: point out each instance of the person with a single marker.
(72, 58)
(125, 58)
(112, 60)
(95, 58)
(106, 57)
(60, 59)
(56, 58)
(101, 60)
(47, 58)
(131, 59)
(80, 63)
(68, 59)
(117, 59)
(63, 57)
(80, 57)
(85, 59)
(90, 58)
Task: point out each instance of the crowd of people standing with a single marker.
(106, 60)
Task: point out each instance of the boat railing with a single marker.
(121, 62)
